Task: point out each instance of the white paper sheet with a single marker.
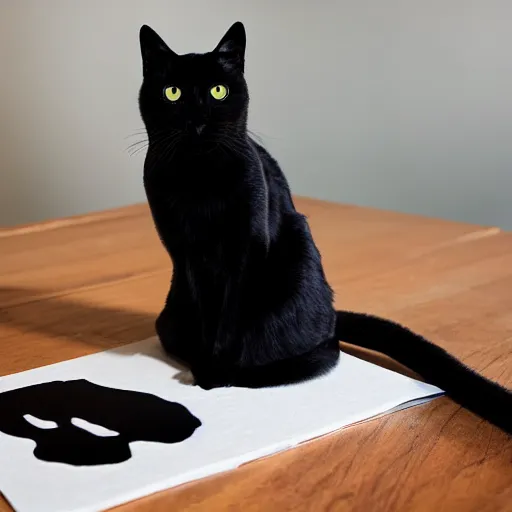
(238, 425)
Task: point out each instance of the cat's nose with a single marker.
(195, 126)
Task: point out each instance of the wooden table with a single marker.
(77, 286)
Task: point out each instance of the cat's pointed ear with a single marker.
(231, 49)
(153, 49)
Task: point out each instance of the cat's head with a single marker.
(199, 98)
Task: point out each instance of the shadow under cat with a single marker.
(63, 317)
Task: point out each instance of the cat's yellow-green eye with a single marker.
(172, 93)
(219, 92)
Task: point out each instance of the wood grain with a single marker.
(76, 286)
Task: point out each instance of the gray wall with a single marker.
(400, 104)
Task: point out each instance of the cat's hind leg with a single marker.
(318, 361)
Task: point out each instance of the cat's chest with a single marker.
(191, 170)
(202, 220)
(198, 204)
(197, 187)
(189, 224)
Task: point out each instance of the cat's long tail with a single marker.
(466, 387)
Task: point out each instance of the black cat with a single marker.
(249, 304)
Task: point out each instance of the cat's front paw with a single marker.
(210, 377)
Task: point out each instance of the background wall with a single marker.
(402, 104)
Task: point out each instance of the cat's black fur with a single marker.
(249, 304)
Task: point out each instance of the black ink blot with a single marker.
(135, 416)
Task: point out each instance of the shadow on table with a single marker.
(35, 310)
(60, 316)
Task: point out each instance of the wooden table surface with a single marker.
(77, 286)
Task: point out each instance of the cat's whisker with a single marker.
(255, 136)
(154, 137)
(136, 134)
(165, 146)
(138, 150)
(170, 150)
(145, 141)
